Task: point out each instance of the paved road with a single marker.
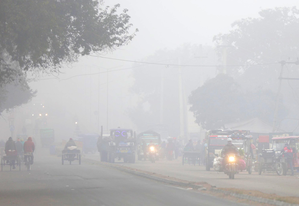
(51, 184)
(268, 183)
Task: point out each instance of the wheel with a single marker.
(207, 166)
(62, 160)
(285, 168)
(139, 158)
(279, 168)
(20, 165)
(79, 159)
(2, 164)
(110, 158)
(183, 160)
(249, 170)
(232, 176)
(260, 169)
(70, 162)
(133, 159)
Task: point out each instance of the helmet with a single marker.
(229, 139)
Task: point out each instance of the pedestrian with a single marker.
(288, 153)
(197, 148)
(19, 147)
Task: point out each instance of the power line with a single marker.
(175, 65)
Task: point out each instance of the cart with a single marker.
(191, 157)
(8, 160)
(71, 154)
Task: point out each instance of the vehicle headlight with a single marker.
(152, 148)
(231, 159)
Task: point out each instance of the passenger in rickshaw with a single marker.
(70, 143)
(189, 146)
(288, 153)
(10, 150)
(29, 147)
(19, 147)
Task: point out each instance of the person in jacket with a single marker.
(288, 154)
(29, 147)
(189, 146)
(70, 143)
(229, 148)
(10, 150)
(10, 145)
(19, 147)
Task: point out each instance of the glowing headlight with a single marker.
(152, 148)
(231, 159)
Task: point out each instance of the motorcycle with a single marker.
(231, 165)
(152, 154)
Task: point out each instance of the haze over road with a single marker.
(50, 183)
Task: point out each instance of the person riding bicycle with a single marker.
(10, 150)
(29, 147)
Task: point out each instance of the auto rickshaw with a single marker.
(279, 144)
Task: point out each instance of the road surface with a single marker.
(52, 184)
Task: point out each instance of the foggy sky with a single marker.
(161, 24)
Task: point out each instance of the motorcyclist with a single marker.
(10, 150)
(229, 148)
(29, 147)
(288, 153)
(70, 143)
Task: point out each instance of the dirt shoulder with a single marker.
(251, 197)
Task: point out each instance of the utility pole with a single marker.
(107, 100)
(162, 98)
(282, 64)
(181, 102)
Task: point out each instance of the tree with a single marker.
(221, 100)
(255, 46)
(15, 94)
(41, 35)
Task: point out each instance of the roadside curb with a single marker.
(193, 185)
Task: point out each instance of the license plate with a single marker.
(123, 151)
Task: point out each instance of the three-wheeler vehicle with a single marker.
(10, 159)
(278, 144)
(71, 154)
(149, 146)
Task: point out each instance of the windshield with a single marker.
(150, 139)
(278, 145)
(218, 141)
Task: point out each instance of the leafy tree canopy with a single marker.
(15, 94)
(258, 45)
(221, 100)
(40, 35)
